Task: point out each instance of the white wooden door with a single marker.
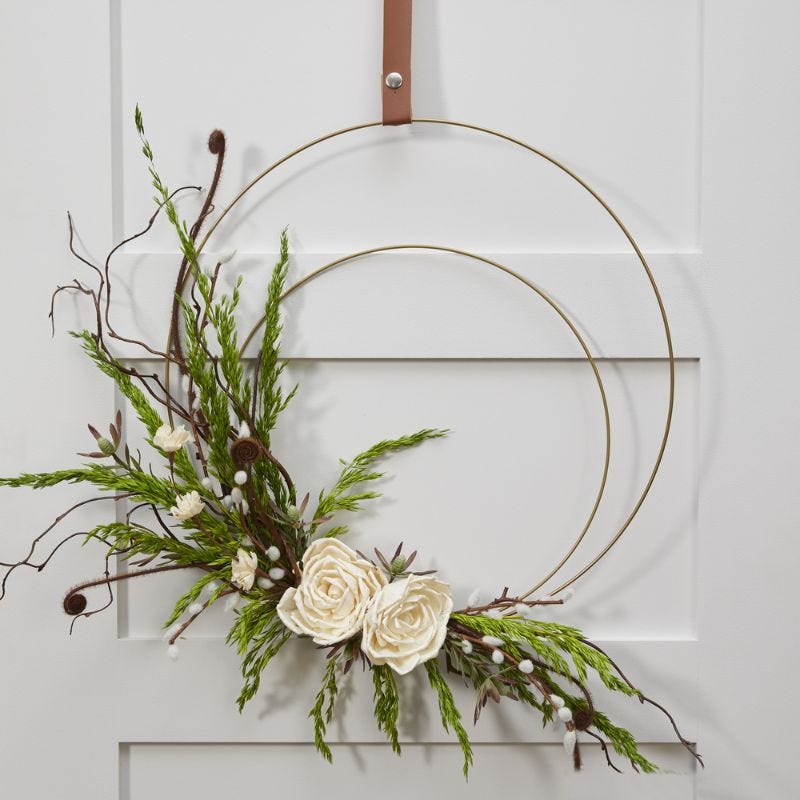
(682, 113)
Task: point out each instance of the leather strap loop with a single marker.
(396, 61)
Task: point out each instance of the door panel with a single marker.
(681, 113)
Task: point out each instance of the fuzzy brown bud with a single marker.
(74, 604)
(216, 142)
(246, 450)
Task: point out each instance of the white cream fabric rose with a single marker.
(335, 591)
(243, 569)
(187, 506)
(407, 622)
(169, 440)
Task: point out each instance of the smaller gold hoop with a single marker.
(349, 259)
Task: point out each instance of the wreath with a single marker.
(226, 510)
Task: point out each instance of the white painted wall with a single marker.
(682, 113)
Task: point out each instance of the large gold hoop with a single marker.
(637, 250)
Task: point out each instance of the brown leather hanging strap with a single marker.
(396, 79)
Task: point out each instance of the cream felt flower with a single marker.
(332, 598)
(187, 506)
(171, 440)
(243, 569)
(407, 622)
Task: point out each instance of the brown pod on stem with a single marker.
(246, 450)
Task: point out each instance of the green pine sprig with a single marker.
(342, 497)
(450, 715)
(387, 703)
(323, 708)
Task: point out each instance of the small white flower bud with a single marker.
(557, 700)
(211, 587)
(525, 666)
(173, 652)
(224, 259)
(466, 646)
(227, 501)
(236, 495)
(498, 657)
(564, 714)
(170, 632)
(240, 478)
(194, 609)
(277, 574)
(265, 583)
(570, 738)
(492, 640)
(207, 483)
(273, 553)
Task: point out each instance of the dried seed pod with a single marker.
(246, 450)
(74, 604)
(584, 719)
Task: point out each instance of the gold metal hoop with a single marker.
(607, 208)
(343, 260)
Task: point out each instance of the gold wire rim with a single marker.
(348, 259)
(631, 240)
